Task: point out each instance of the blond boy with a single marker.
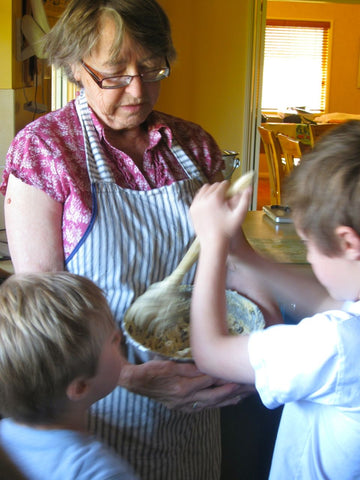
(59, 353)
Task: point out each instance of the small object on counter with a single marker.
(278, 213)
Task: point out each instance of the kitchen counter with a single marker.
(279, 242)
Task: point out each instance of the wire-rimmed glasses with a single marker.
(119, 81)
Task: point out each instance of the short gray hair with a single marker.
(76, 32)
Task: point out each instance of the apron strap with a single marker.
(96, 161)
(95, 158)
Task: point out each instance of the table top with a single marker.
(279, 242)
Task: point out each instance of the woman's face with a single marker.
(127, 107)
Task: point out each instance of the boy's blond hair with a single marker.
(324, 190)
(52, 327)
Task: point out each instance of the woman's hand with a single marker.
(181, 386)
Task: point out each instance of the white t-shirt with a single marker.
(314, 369)
(60, 454)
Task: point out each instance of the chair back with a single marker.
(291, 151)
(274, 162)
(316, 131)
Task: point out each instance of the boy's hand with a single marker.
(216, 217)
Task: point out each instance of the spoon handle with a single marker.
(192, 254)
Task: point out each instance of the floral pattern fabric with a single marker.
(49, 154)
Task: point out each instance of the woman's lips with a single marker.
(132, 107)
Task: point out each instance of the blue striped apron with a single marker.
(134, 239)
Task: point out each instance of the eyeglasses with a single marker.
(119, 81)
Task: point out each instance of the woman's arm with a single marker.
(287, 284)
(33, 227)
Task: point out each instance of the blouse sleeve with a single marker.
(47, 154)
(32, 161)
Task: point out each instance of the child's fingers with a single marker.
(242, 206)
(210, 188)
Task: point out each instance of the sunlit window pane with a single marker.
(295, 65)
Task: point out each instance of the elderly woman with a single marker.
(102, 188)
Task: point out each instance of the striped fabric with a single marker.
(136, 238)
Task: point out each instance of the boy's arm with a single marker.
(288, 284)
(213, 349)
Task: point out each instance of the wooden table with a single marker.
(279, 242)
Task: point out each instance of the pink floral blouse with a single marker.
(49, 154)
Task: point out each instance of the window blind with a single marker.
(296, 61)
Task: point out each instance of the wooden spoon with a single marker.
(158, 307)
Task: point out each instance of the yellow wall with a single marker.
(344, 94)
(5, 44)
(11, 69)
(207, 83)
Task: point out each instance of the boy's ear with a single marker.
(78, 389)
(349, 242)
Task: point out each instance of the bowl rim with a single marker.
(157, 355)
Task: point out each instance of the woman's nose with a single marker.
(135, 87)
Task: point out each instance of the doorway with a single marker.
(253, 141)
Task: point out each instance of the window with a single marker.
(62, 91)
(295, 65)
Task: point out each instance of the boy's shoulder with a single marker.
(352, 307)
(59, 454)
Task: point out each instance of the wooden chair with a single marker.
(274, 162)
(316, 131)
(291, 151)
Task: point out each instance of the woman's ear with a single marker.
(76, 70)
(349, 242)
(78, 389)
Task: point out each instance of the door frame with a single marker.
(252, 115)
